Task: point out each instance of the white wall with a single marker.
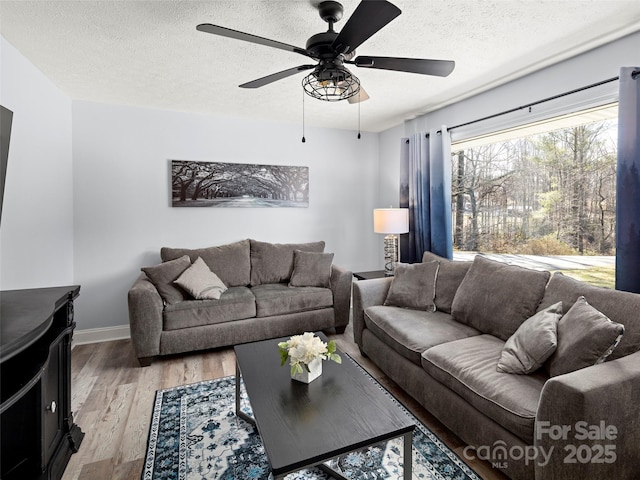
(390, 167)
(36, 232)
(585, 69)
(122, 202)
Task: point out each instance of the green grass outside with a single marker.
(600, 276)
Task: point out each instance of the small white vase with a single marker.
(315, 370)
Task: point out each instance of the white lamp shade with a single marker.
(391, 220)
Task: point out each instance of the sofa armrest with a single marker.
(145, 317)
(365, 294)
(590, 419)
(341, 280)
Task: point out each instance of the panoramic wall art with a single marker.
(216, 184)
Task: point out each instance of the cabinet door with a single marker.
(52, 403)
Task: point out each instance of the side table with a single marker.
(369, 275)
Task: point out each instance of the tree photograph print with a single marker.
(216, 184)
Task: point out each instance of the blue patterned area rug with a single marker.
(195, 435)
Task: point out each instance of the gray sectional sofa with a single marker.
(261, 290)
(577, 416)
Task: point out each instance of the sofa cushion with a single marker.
(586, 337)
(533, 343)
(273, 262)
(162, 276)
(450, 276)
(468, 367)
(413, 286)
(280, 299)
(201, 282)
(229, 262)
(621, 307)
(495, 298)
(311, 269)
(236, 303)
(411, 332)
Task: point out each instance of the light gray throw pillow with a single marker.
(413, 286)
(586, 337)
(311, 269)
(533, 343)
(163, 276)
(201, 282)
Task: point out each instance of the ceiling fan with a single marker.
(330, 79)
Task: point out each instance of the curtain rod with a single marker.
(533, 104)
(634, 75)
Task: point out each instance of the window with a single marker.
(541, 189)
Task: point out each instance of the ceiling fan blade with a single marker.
(261, 82)
(439, 68)
(360, 97)
(247, 37)
(368, 17)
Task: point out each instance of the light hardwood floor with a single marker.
(112, 400)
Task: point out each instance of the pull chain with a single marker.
(359, 102)
(303, 139)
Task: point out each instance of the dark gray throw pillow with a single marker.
(586, 337)
(496, 298)
(273, 262)
(413, 286)
(311, 269)
(533, 343)
(618, 306)
(163, 276)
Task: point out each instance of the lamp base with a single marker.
(390, 254)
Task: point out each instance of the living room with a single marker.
(86, 200)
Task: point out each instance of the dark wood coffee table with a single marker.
(304, 425)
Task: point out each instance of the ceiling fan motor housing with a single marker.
(319, 45)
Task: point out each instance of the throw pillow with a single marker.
(201, 282)
(618, 306)
(163, 276)
(585, 337)
(311, 269)
(495, 298)
(450, 276)
(273, 262)
(533, 343)
(413, 286)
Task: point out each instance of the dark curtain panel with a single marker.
(628, 183)
(425, 189)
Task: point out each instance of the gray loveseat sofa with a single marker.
(272, 290)
(564, 420)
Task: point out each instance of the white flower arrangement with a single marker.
(301, 350)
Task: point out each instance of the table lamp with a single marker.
(392, 221)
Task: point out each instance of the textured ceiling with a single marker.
(149, 53)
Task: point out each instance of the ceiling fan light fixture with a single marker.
(331, 85)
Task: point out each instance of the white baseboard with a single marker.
(105, 334)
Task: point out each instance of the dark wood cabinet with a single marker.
(38, 434)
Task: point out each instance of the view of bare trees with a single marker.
(216, 184)
(551, 193)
